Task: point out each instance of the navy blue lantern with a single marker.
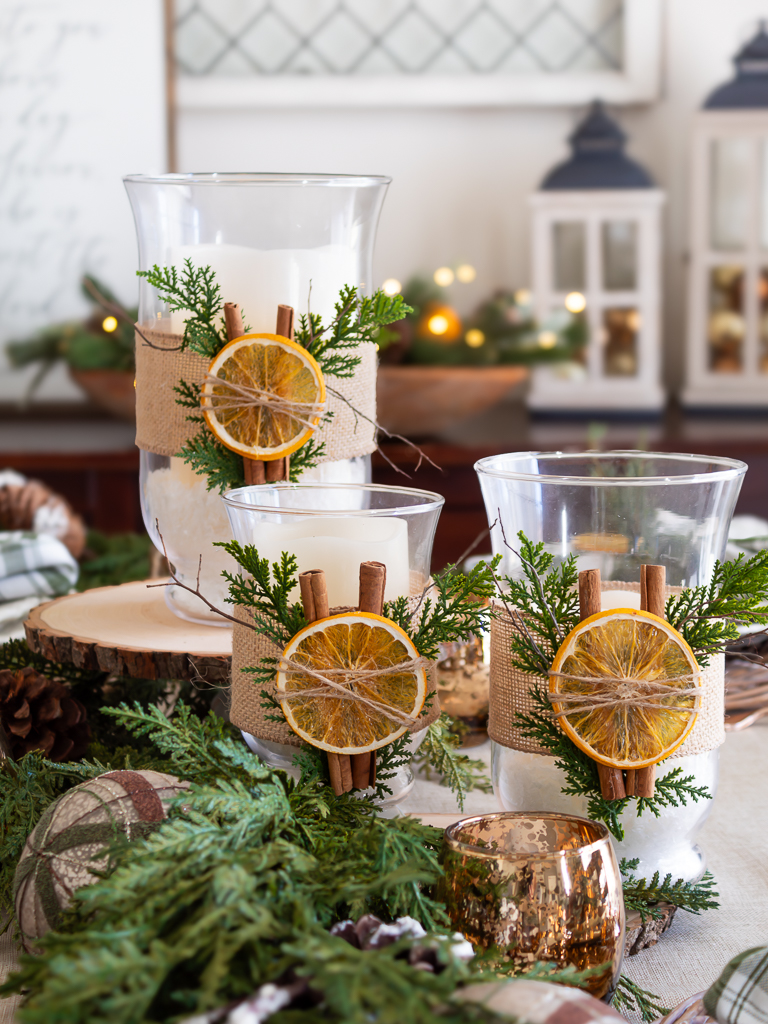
(596, 255)
(727, 363)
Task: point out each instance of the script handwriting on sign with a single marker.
(75, 115)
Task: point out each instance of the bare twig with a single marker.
(517, 618)
(536, 577)
(116, 310)
(423, 457)
(177, 582)
(459, 560)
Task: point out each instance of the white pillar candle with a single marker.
(619, 599)
(338, 545)
(261, 279)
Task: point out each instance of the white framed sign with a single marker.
(546, 53)
(82, 102)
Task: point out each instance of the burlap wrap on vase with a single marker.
(510, 693)
(246, 711)
(162, 426)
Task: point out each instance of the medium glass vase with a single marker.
(615, 511)
(293, 239)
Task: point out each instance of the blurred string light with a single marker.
(575, 302)
(443, 276)
(474, 338)
(109, 324)
(547, 339)
(466, 273)
(391, 286)
(523, 297)
(438, 324)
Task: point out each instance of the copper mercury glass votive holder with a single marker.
(543, 887)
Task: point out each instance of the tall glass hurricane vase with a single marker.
(615, 511)
(293, 239)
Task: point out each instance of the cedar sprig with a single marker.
(672, 790)
(708, 617)
(456, 609)
(208, 457)
(267, 592)
(189, 398)
(357, 320)
(389, 759)
(629, 997)
(439, 750)
(544, 604)
(581, 778)
(194, 291)
(311, 454)
(645, 896)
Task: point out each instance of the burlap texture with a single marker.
(511, 691)
(246, 711)
(162, 426)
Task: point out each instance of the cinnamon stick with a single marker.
(257, 471)
(277, 469)
(314, 594)
(253, 469)
(233, 318)
(285, 322)
(611, 779)
(314, 599)
(642, 781)
(373, 579)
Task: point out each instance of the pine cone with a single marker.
(38, 713)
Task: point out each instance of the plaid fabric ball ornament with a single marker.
(70, 840)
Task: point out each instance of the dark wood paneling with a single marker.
(103, 487)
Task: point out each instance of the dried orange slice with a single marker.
(343, 644)
(250, 368)
(642, 671)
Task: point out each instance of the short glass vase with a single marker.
(335, 527)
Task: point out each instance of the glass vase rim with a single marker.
(262, 178)
(510, 855)
(432, 500)
(729, 468)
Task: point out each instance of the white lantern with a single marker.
(727, 358)
(597, 254)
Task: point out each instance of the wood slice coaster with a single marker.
(641, 935)
(128, 631)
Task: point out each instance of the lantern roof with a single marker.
(598, 160)
(750, 86)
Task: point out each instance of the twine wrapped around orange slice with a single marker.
(624, 687)
(263, 396)
(351, 683)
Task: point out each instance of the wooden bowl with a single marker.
(419, 400)
(112, 390)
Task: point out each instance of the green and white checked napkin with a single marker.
(34, 564)
(740, 994)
